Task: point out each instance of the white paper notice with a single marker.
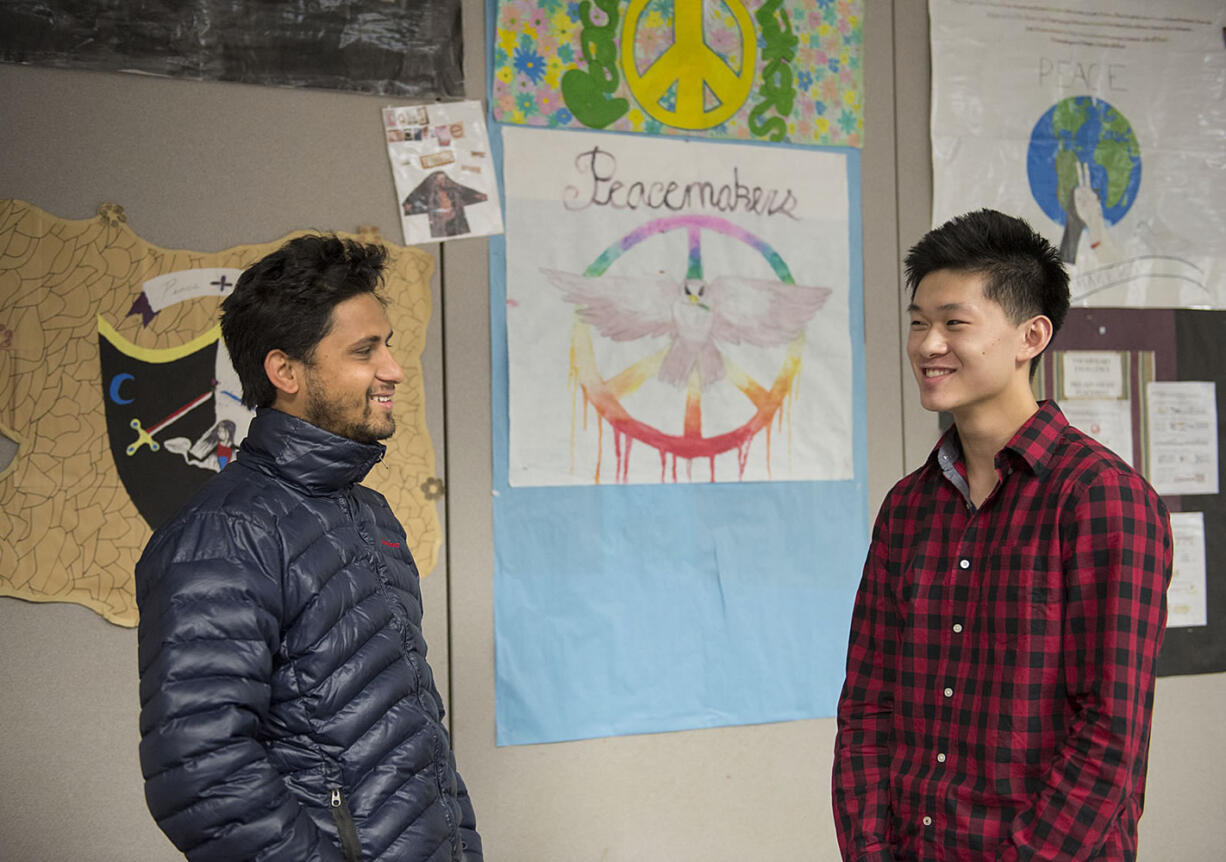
(1185, 600)
(1093, 374)
(1107, 421)
(1182, 425)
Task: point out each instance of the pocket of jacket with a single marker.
(348, 833)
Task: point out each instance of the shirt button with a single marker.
(957, 628)
(927, 821)
(964, 564)
(949, 692)
(941, 757)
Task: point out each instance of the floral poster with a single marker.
(750, 70)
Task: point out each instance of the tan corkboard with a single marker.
(69, 529)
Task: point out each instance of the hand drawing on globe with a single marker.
(1089, 208)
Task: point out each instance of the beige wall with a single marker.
(212, 165)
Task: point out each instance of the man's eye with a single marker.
(955, 322)
(917, 324)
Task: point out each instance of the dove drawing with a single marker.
(698, 316)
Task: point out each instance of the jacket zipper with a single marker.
(350, 508)
(348, 833)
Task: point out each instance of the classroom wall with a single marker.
(206, 166)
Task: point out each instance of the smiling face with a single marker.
(969, 358)
(348, 384)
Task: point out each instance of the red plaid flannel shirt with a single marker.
(1000, 670)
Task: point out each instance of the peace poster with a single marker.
(676, 312)
(754, 70)
(680, 511)
(1102, 123)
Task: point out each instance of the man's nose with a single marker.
(933, 342)
(390, 369)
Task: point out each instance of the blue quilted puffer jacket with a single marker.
(287, 710)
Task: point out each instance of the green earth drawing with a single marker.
(1090, 131)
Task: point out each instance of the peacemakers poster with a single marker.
(676, 312)
(680, 511)
(1100, 122)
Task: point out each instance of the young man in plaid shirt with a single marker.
(1000, 670)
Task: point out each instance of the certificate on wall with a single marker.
(1094, 391)
(1109, 421)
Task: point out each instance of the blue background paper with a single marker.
(638, 609)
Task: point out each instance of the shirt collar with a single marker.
(1033, 445)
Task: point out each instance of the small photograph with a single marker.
(414, 134)
(443, 133)
(443, 201)
(395, 135)
(389, 118)
(457, 130)
(434, 160)
(414, 116)
(476, 169)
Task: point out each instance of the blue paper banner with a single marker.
(638, 608)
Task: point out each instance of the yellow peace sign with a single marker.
(691, 66)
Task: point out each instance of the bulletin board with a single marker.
(1164, 345)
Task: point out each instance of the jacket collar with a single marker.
(306, 455)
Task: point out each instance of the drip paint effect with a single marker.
(699, 316)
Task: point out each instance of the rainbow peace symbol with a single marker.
(605, 393)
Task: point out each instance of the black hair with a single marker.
(284, 301)
(1023, 271)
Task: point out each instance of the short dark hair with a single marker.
(284, 301)
(1024, 273)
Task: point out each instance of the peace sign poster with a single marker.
(754, 70)
(680, 512)
(676, 312)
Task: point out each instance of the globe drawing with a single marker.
(1090, 131)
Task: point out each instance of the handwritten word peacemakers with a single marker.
(600, 188)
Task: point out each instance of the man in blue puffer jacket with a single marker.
(287, 710)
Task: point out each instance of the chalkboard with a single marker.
(407, 48)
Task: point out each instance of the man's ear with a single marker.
(1036, 335)
(283, 372)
